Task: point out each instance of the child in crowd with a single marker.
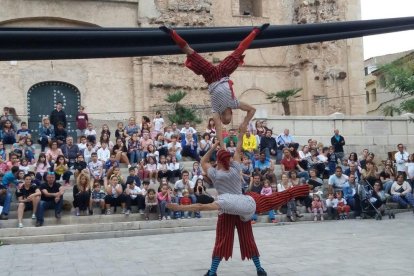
(120, 131)
(162, 168)
(90, 133)
(141, 170)
(145, 187)
(83, 143)
(81, 122)
(24, 166)
(111, 164)
(331, 204)
(13, 160)
(342, 208)
(61, 170)
(61, 134)
(196, 172)
(164, 197)
(151, 204)
(317, 206)
(151, 168)
(103, 153)
(231, 148)
(134, 197)
(105, 130)
(97, 198)
(23, 131)
(42, 166)
(2, 150)
(135, 153)
(3, 165)
(132, 177)
(95, 167)
(267, 189)
(185, 200)
(87, 153)
(30, 150)
(79, 165)
(158, 123)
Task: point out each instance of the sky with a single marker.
(379, 45)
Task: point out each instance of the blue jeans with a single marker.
(271, 214)
(6, 200)
(163, 209)
(181, 214)
(387, 186)
(303, 174)
(405, 200)
(48, 205)
(136, 156)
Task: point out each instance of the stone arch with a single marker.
(257, 98)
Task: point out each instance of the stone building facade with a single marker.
(330, 73)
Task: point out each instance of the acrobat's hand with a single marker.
(263, 27)
(165, 29)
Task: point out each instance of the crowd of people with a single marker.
(152, 151)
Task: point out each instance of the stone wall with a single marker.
(378, 134)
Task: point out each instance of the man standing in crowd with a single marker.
(338, 142)
(401, 158)
(58, 115)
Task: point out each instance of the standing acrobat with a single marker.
(220, 86)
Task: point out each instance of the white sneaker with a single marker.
(168, 217)
(108, 211)
(127, 212)
(33, 216)
(141, 211)
(129, 166)
(20, 225)
(123, 211)
(164, 218)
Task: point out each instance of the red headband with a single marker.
(223, 157)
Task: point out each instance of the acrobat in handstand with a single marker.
(220, 86)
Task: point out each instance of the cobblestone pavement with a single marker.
(352, 247)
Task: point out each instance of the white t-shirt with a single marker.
(188, 130)
(103, 154)
(90, 132)
(134, 192)
(410, 170)
(158, 124)
(177, 146)
(337, 182)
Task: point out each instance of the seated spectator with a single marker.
(80, 166)
(151, 204)
(188, 129)
(61, 169)
(186, 184)
(291, 213)
(387, 178)
(331, 205)
(5, 197)
(337, 181)
(167, 134)
(145, 142)
(104, 139)
(185, 200)
(42, 167)
(410, 170)
(211, 128)
(304, 155)
(13, 161)
(142, 171)
(264, 189)
(164, 197)
(135, 152)
(52, 198)
(317, 191)
(189, 146)
(90, 133)
(70, 151)
(30, 150)
(133, 177)
(8, 133)
(341, 206)
(151, 168)
(134, 197)
(53, 152)
(200, 191)
(114, 195)
(288, 163)
(175, 130)
(369, 158)
(160, 144)
(350, 192)
(162, 168)
(97, 198)
(231, 137)
(104, 154)
(379, 197)
(369, 173)
(87, 153)
(121, 151)
(95, 167)
(24, 131)
(323, 159)
(82, 194)
(152, 152)
(46, 133)
(3, 165)
(196, 172)
(353, 170)
(60, 134)
(19, 148)
(247, 171)
(120, 177)
(260, 130)
(268, 144)
(353, 157)
(231, 148)
(401, 192)
(131, 128)
(204, 144)
(120, 132)
(174, 168)
(293, 178)
(145, 124)
(283, 141)
(2, 151)
(249, 143)
(28, 197)
(174, 148)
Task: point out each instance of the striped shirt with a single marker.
(221, 96)
(227, 182)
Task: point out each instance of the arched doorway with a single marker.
(42, 98)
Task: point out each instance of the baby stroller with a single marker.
(372, 205)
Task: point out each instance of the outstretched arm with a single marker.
(238, 154)
(205, 160)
